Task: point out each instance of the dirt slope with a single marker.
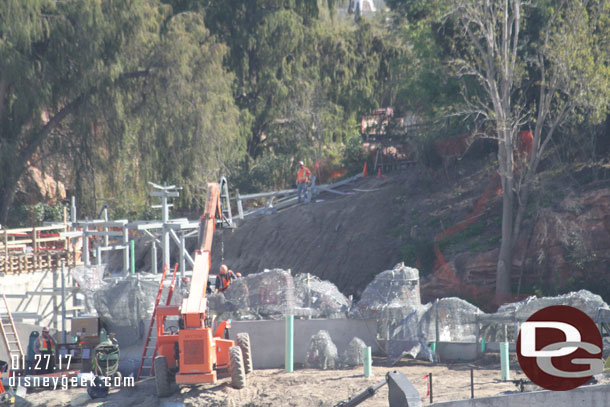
(344, 239)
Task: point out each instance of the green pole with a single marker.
(289, 351)
(504, 360)
(433, 347)
(483, 345)
(132, 255)
(367, 361)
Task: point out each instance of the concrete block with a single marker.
(596, 395)
(457, 351)
(267, 337)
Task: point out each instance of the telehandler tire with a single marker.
(243, 341)
(162, 377)
(236, 366)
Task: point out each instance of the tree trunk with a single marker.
(505, 258)
(3, 93)
(254, 144)
(6, 198)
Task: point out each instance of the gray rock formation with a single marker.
(322, 352)
(353, 355)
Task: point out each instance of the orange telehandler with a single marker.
(191, 353)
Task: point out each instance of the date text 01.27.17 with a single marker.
(42, 362)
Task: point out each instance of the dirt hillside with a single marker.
(342, 238)
(348, 239)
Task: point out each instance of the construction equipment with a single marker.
(106, 357)
(149, 352)
(9, 334)
(191, 351)
(401, 392)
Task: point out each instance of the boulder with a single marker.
(584, 300)
(407, 338)
(322, 352)
(455, 318)
(125, 308)
(322, 298)
(389, 298)
(353, 354)
(266, 295)
(394, 288)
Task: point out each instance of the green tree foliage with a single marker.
(303, 77)
(427, 88)
(270, 42)
(125, 88)
(515, 64)
(180, 122)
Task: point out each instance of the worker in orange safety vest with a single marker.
(45, 347)
(223, 279)
(302, 179)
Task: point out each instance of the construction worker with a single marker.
(302, 179)
(223, 279)
(45, 347)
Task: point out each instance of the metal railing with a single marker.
(288, 197)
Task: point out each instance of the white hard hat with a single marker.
(301, 163)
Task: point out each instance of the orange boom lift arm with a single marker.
(193, 353)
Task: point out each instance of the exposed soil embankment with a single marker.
(345, 239)
(348, 239)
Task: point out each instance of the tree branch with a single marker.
(38, 138)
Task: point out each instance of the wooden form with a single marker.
(44, 248)
(25, 250)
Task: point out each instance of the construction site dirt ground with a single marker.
(302, 388)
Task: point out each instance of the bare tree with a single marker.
(494, 54)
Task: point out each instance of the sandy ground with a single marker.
(303, 388)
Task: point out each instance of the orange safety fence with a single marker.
(326, 170)
(442, 270)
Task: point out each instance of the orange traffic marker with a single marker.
(379, 172)
(365, 173)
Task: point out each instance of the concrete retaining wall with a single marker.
(38, 305)
(587, 396)
(22, 283)
(267, 337)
